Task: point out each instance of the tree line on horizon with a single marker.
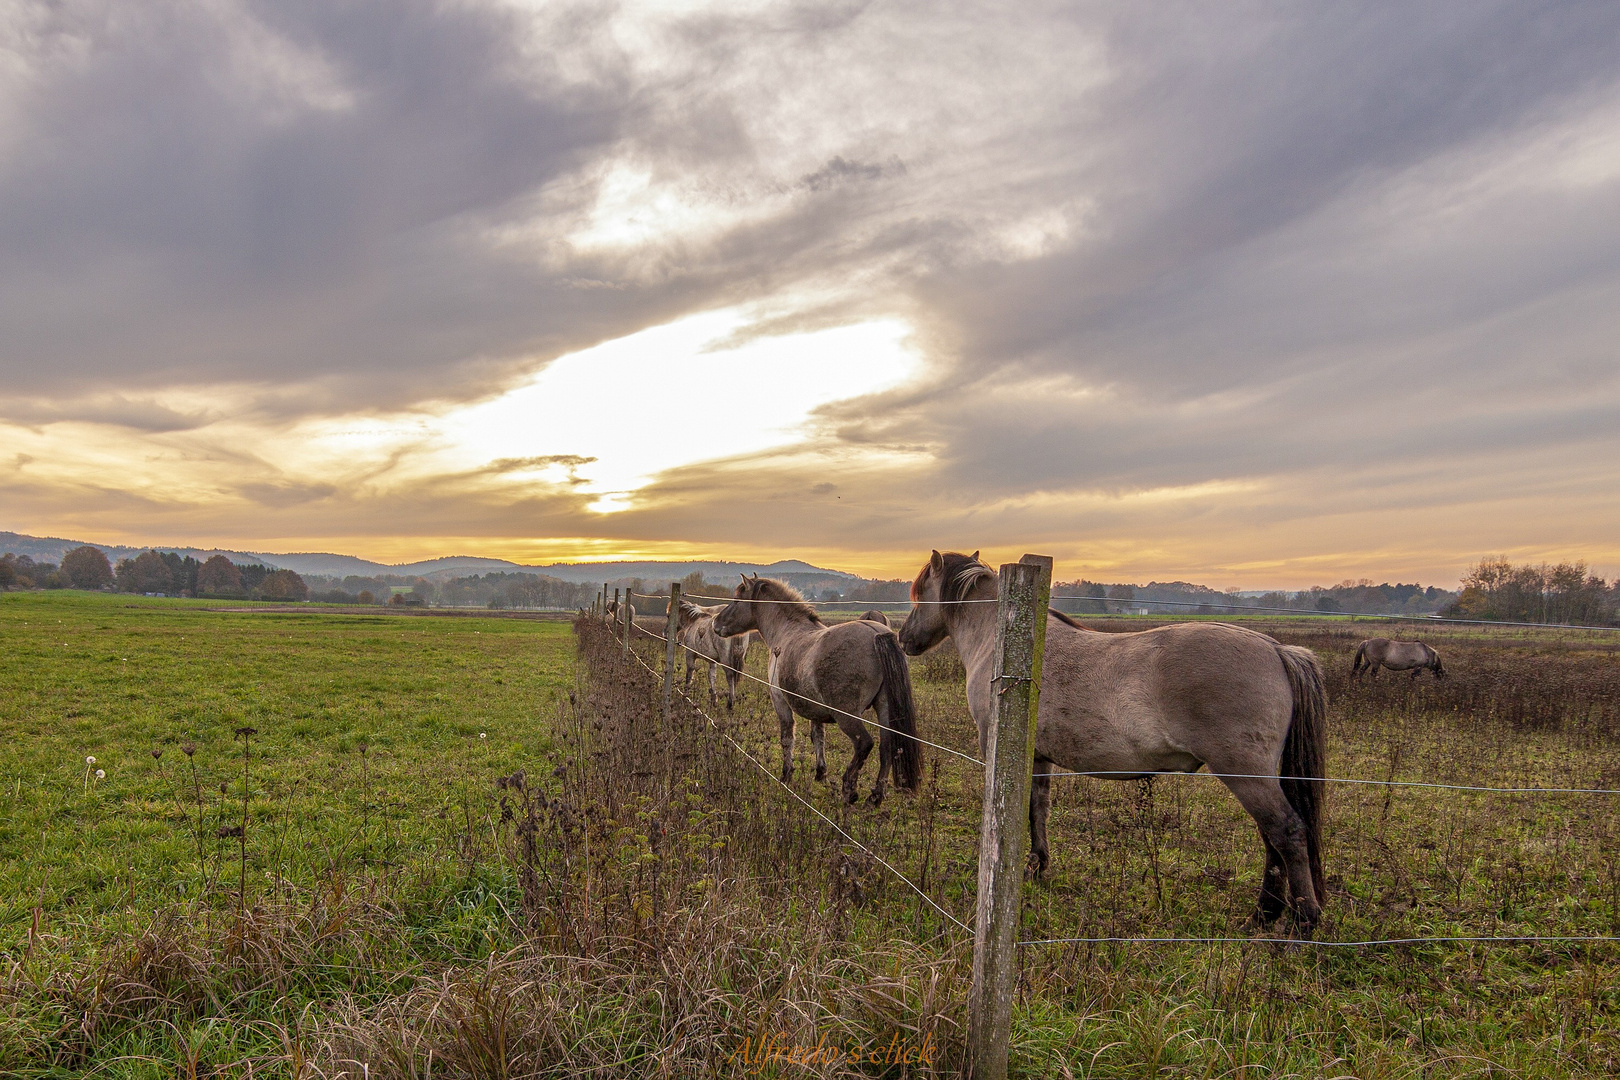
(1494, 589)
(153, 573)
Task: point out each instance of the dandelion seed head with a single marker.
(101, 774)
(483, 735)
(91, 760)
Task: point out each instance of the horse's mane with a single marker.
(792, 600)
(961, 573)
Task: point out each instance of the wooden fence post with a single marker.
(671, 629)
(1026, 589)
(604, 599)
(629, 613)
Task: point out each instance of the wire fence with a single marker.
(1485, 939)
(763, 768)
(1216, 609)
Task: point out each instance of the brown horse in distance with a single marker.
(1413, 656)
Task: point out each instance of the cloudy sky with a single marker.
(1251, 294)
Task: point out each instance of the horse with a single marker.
(1172, 699)
(831, 672)
(697, 636)
(1413, 656)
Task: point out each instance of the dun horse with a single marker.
(1413, 656)
(1172, 699)
(697, 636)
(834, 673)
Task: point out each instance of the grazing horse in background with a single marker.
(831, 672)
(1413, 656)
(697, 636)
(1171, 699)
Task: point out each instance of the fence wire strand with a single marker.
(1122, 775)
(1457, 939)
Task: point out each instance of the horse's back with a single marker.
(1185, 689)
(837, 665)
(1403, 655)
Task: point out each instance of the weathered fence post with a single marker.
(629, 613)
(671, 628)
(1026, 589)
(604, 599)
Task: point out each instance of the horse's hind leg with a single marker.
(711, 682)
(1273, 900)
(784, 716)
(1040, 803)
(863, 746)
(1287, 858)
(818, 739)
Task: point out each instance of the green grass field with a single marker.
(631, 908)
(435, 702)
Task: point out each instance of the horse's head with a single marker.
(739, 616)
(944, 579)
(1435, 665)
(690, 613)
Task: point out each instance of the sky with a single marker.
(1248, 294)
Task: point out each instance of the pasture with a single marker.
(644, 900)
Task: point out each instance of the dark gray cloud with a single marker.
(285, 192)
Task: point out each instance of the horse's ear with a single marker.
(936, 561)
(975, 556)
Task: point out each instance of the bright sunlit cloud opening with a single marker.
(675, 394)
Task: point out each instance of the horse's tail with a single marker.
(876, 616)
(1304, 756)
(1361, 659)
(898, 743)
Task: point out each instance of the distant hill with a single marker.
(52, 548)
(328, 564)
(789, 569)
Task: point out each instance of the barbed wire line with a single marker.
(809, 805)
(829, 708)
(826, 603)
(1239, 609)
(1224, 609)
(1458, 939)
(1121, 774)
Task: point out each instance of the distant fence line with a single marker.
(1215, 609)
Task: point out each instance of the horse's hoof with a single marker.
(1306, 918)
(875, 799)
(787, 776)
(821, 776)
(1259, 921)
(850, 796)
